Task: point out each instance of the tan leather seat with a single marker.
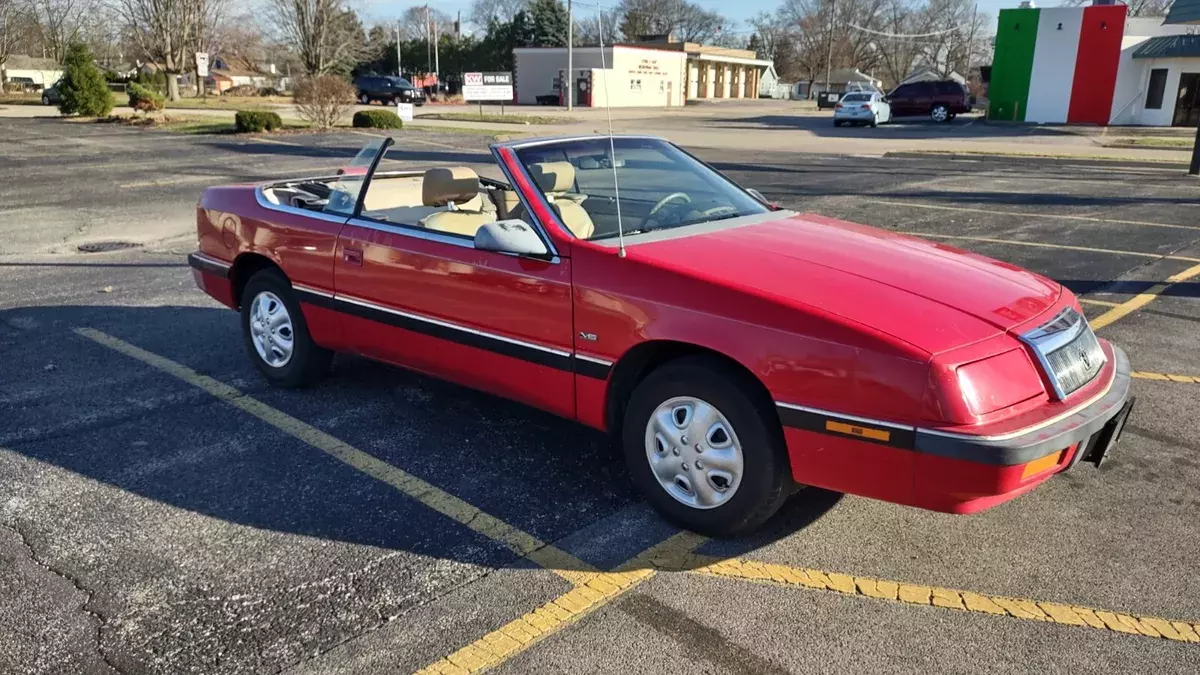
(555, 178)
(457, 188)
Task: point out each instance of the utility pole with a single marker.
(399, 70)
(570, 79)
(437, 63)
(829, 54)
(428, 58)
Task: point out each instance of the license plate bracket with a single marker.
(1107, 437)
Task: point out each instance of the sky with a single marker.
(740, 10)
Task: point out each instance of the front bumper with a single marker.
(1026, 445)
(953, 472)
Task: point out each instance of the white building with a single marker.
(31, 71)
(646, 74)
(1158, 81)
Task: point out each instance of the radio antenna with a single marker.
(612, 147)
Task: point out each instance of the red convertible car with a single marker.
(735, 349)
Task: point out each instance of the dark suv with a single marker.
(387, 90)
(941, 101)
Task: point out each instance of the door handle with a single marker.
(352, 256)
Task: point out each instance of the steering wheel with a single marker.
(658, 206)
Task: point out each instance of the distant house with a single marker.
(769, 85)
(930, 75)
(840, 81)
(226, 72)
(30, 70)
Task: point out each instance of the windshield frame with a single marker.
(511, 150)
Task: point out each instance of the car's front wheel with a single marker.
(940, 113)
(276, 334)
(45, 100)
(364, 99)
(704, 446)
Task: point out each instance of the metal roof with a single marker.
(1169, 47)
(1184, 11)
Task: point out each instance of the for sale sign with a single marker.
(487, 86)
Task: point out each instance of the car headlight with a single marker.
(998, 382)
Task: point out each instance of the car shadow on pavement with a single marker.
(75, 404)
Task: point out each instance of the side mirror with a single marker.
(510, 236)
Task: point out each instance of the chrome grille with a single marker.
(1068, 350)
(1078, 362)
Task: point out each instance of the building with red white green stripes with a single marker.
(1093, 65)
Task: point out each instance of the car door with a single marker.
(428, 300)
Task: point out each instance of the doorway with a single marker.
(1187, 104)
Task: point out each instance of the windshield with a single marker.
(344, 195)
(660, 186)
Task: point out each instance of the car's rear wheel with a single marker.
(704, 446)
(364, 99)
(874, 120)
(45, 100)
(940, 113)
(276, 335)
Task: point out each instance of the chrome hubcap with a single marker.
(939, 114)
(271, 329)
(702, 474)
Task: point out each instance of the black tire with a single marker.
(766, 477)
(939, 113)
(45, 100)
(309, 362)
(364, 99)
(837, 123)
(874, 121)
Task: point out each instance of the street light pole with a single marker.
(399, 70)
(570, 79)
(829, 54)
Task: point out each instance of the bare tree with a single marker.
(587, 30)
(1134, 7)
(326, 34)
(59, 23)
(10, 18)
(413, 24)
(168, 32)
(685, 21)
(484, 11)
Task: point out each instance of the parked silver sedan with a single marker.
(866, 107)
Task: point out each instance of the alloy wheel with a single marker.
(939, 113)
(694, 452)
(271, 329)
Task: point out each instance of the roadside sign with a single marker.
(202, 64)
(487, 86)
(405, 111)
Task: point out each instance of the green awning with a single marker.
(1169, 47)
(1184, 11)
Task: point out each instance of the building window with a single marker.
(1158, 86)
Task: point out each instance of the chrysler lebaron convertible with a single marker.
(735, 350)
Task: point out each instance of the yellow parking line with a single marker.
(520, 634)
(1142, 299)
(948, 598)
(1065, 247)
(1101, 303)
(1059, 216)
(522, 543)
(1165, 377)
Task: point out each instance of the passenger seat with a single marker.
(456, 188)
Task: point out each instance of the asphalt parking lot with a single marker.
(162, 510)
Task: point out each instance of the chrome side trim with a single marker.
(217, 262)
(852, 418)
(283, 208)
(452, 326)
(593, 359)
(1024, 430)
(314, 291)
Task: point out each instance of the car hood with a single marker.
(930, 295)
